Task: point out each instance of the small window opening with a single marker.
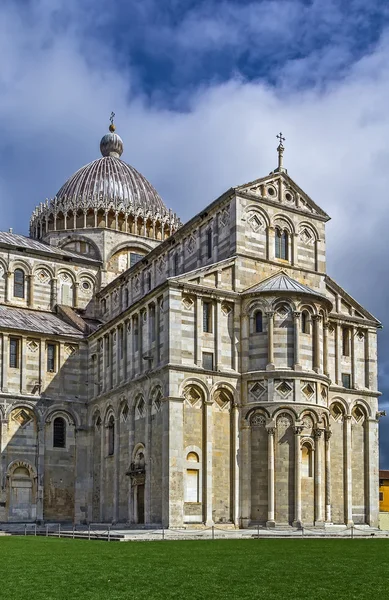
(59, 432)
(19, 279)
(258, 322)
(111, 436)
(207, 317)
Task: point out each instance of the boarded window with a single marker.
(66, 294)
(192, 486)
(306, 461)
(59, 433)
(346, 380)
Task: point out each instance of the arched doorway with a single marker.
(21, 483)
(137, 472)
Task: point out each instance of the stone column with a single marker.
(271, 478)
(115, 507)
(30, 290)
(3, 456)
(367, 358)
(84, 219)
(173, 463)
(316, 342)
(208, 462)
(23, 364)
(218, 336)
(245, 474)
(125, 349)
(95, 214)
(297, 326)
(325, 349)
(147, 498)
(244, 342)
(353, 358)
(102, 469)
(4, 362)
(348, 470)
(119, 345)
(131, 444)
(297, 476)
(76, 286)
(40, 470)
(327, 436)
(8, 284)
(293, 249)
(338, 350)
(319, 520)
(270, 341)
(372, 472)
(42, 365)
(235, 464)
(199, 329)
(270, 243)
(54, 292)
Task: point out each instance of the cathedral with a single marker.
(156, 373)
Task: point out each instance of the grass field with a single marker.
(47, 568)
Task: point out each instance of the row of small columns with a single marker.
(319, 517)
(319, 436)
(292, 249)
(316, 336)
(43, 224)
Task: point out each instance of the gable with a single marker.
(280, 189)
(218, 275)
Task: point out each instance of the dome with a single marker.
(106, 186)
(109, 181)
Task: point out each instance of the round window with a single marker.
(86, 285)
(271, 191)
(288, 197)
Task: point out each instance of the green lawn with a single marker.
(47, 568)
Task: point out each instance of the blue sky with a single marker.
(200, 89)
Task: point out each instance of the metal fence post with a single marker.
(213, 532)
(89, 531)
(35, 530)
(25, 529)
(109, 533)
(47, 530)
(73, 531)
(59, 530)
(258, 531)
(163, 533)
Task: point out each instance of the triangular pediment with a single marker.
(345, 305)
(279, 188)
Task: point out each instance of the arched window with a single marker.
(19, 279)
(126, 297)
(111, 436)
(103, 306)
(258, 322)
(281, 244)
(305, 322)
(192, 488)
(59, 432)
(209, 243)
(306, 461)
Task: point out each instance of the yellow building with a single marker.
(384, 491)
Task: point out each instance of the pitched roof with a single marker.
(384, 474)
(35, 321)
(281, 282)
(21, 241)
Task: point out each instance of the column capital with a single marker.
(269, 314)
(316, 318)
(298, 429)
(296, 314)
(317, 433)
(327, 434)
(270, 429)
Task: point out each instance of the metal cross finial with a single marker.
(111, 118)
(281, 138)
(280, 151)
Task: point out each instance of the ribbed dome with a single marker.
(109, 180)
(106, 193)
